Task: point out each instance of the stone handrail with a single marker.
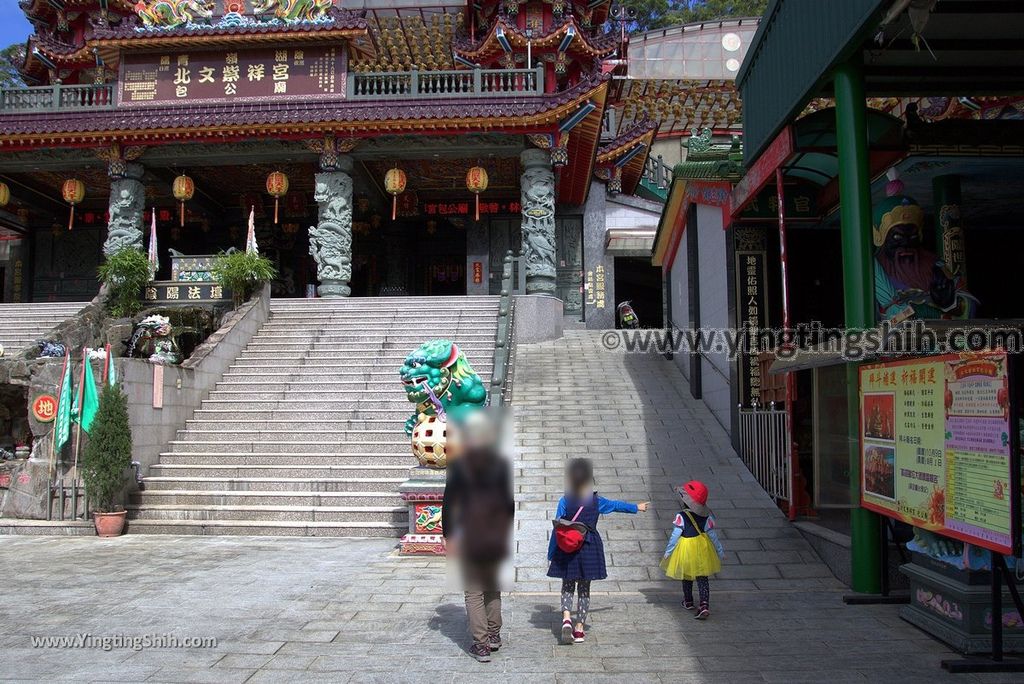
(657, 172)
(501, 382)
(56, 98)
(417, 84)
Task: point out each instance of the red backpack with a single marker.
(569, 534)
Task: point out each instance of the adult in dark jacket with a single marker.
(476, 517)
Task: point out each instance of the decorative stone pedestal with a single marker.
(334, 288)
(423, 492)
(955, 606)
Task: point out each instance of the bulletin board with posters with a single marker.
(940, 448)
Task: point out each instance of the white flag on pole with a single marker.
(250, 241)
(154, 259)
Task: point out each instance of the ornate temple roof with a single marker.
(678, 106)
(577, 40)
(298, 117)
(628, 152)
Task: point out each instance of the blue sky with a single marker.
(14, 28)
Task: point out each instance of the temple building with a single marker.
(382, 151)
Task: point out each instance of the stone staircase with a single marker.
(303, 436)
(24, 324)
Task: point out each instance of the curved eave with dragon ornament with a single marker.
(625, 156)
(505, 36)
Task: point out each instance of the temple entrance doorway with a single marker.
(410, 257)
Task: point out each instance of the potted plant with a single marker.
(106, 460)
(242, 273)
(125, 273)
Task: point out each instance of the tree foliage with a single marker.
(125, 273)
(11, 57)
(653, 14)
(108, 453)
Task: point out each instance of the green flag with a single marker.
(62, 425)
(86, 413)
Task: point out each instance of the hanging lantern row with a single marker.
(73, 192)
(277, 187)
(5, 195)
(476, 182)
(183, 189)
(394, 183)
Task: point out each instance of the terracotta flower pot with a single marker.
(109, 524)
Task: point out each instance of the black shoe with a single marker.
(494, 640)
(482, 652)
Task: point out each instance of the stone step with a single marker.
(394, 446)
(314, 400)
(276, 484)
(227, 412)
(271, 425)
(313, 374)
(172, 497)
(396, 515)
(389, 303)
(358, 343)
(289, 433)
(327, 385)
(361, 357)
(350, 360)
(397, 460)
(266, 528)
(280, 470)
(374, 322)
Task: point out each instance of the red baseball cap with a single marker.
(695, 495)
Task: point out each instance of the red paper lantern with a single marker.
(476, 182)
(73, 192)
(277, 187)
(394, 183)
(183, 189)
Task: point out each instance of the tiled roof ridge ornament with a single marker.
(700, 140)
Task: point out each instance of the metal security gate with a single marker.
(765, 449)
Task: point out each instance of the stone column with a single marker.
(538, 201)
(127, 202)
(330, 241)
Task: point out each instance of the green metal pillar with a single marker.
(858, 297)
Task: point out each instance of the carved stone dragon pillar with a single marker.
(330, 241)
(538, 202)
(127, 203)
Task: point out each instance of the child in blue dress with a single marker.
(578, 569)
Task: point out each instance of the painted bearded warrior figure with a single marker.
(910, 280)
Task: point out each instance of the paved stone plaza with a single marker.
(340, 610)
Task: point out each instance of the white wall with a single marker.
(680, 296)
(714, 308)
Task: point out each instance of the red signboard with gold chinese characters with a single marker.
(44, 408)
(311, 72)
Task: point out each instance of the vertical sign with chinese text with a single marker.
(751, 304)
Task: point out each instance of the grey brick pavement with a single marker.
(347, 610)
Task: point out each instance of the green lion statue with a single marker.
(440, 369)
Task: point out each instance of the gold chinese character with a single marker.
(216, 292)
(172, 293)
(181, 91)
(231, 73)
(802, 203)
(281, 56)
(280, 87)
(231, 58)
(280, 72)
(165, 60)
(182, 76)
(182, 60)
(206, 75)
(194, 293)
(256, 72)
(150, 293)
(299, 56)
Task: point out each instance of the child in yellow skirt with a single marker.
(694, 552)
